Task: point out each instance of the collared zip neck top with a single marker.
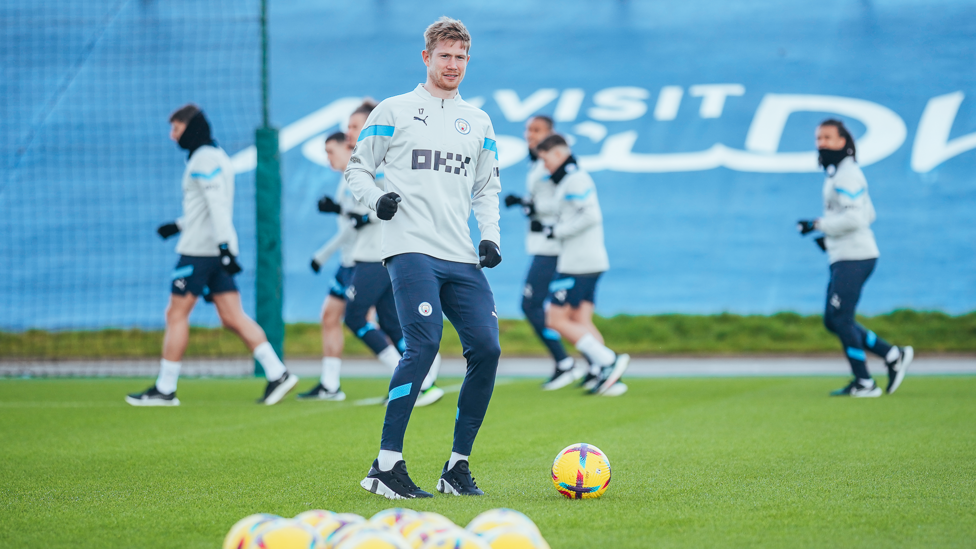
(442, 159)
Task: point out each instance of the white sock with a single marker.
(388, 458)
(330, 373)
(435, 368)
(169, 373)
(598, 353)
(455, 457)
(389, 357)
(893, 354)
(265, 355)
(866, 383)
(566, 364)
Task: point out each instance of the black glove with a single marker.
(489, 254)
(228, 261)
(537, 227)
(386, 206)
(168, 230)
(512, 200)
(820, 242)
(805, 226)
(359, 220)
(316, 266)
(528, 209)
(327, 205)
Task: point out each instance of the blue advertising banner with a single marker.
(696, 120)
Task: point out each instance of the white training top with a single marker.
(546, 201)
(344, 226)
(369, 240)
(441, 158)
(342, 238)
(848, 214)
(208, 204)
(580, 225)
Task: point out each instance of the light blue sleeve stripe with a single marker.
(848, 193)
(856, 354)
(400, 391)
(491, 146)
(579, 196)
(376, 130)
(210, 175)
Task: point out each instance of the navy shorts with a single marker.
(342, 279)
(201, 276)
(572, 289)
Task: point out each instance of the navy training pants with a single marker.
(541, 272)
(426, 288)
(370, 287)
(846, 280)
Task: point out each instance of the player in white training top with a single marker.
(541, 203)
(338, 151)
(208, 262)
(850, 246)
(441, 163)
(582, 259)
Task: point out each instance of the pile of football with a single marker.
(389, 529)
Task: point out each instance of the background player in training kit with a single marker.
(334, 307)
(208, 250)
(849, 243)
(441, 163)
(351, 297)
(338, 151)
(582, 259)
(541, 204)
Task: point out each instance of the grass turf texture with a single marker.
(637, 335)
(696, 462)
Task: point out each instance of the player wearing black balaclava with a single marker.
(850, 245)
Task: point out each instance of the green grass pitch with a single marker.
(745, 462)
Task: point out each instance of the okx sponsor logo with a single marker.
(427, 159)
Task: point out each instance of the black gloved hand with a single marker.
(327, 205)
(820, 242)
(316, 266)
(537, 227)
(528, 209)
(167, 230)
(512, 200)
(806, 226)
(489, 254)
(228, 261)
(387, 206)
(359, 220)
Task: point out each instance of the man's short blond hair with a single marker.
(446, 29)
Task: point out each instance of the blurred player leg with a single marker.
(333, 341)
(843, 293)
(163, 392)
(540, 274)
(232, 314)
(570, 313)
(897, 359)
